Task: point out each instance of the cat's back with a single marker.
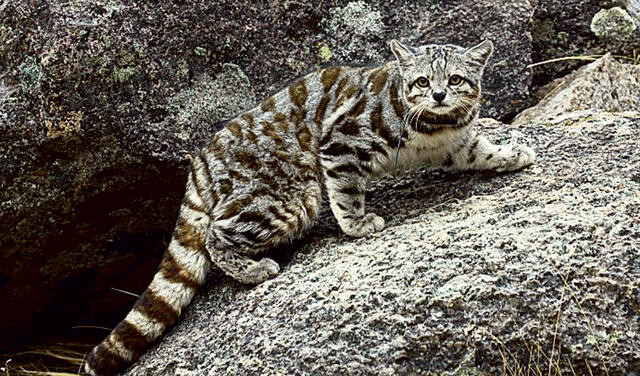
(292, 118)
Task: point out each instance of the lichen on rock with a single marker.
(222, 97)
(351, 27)
(614, 23)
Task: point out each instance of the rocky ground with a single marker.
(103, 102)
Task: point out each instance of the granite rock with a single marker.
(563, 29)
(605, 84)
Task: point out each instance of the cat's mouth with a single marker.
(441, 108)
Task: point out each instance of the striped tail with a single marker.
(183, 269)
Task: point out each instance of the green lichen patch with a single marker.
(356, 18)
(31, 74)
(324, 53)
(222, 97)
(614, 23)
(356, 28)
(201, 51)
(124, 74)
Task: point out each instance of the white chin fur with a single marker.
(441, 110)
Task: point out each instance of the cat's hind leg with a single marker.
(243, 268)
(251, 224)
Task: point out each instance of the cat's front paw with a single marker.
(358, 227)
(516, 158)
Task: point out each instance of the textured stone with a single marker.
(614, 23)
(563, 29)
(605, 84)
(633, 6)
(471, 267)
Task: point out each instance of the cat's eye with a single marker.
(455, 80)
(422, 82)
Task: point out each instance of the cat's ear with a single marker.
(479, 55)
(403, 53)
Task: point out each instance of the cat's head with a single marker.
(441, 79)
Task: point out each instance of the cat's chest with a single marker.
(421, 148)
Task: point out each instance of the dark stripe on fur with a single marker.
(105, 362)
(352, 191)
(329, 77)
(279, 216)
(350, 128)
(268, 105)
(155, 308)
(235, 129)
(348, 168)
(396, 102)
(188, 203)
(188, 237)
(298, 93)
(196, 184)
(133, 339)
(173, 272)
(380, 128)
(337, 149)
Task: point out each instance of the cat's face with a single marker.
(441, 79)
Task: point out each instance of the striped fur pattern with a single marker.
(260, 182)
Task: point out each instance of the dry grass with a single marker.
(59, 357)
(635, 59)
(62, 359)
(537, 360)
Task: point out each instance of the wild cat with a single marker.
(260, 182)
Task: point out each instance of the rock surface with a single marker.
(539, 263)
(102, 103)
(614, 23)
(563, 29)
(605, 84)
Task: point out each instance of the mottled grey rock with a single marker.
(605, 84)
(614, 23)
(563, 29)
(544, 262)
(633, 6)
(352, 27)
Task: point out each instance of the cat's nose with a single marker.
(439, 96)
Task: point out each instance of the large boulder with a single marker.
(475, 274)
(102, 103)
(605, 84)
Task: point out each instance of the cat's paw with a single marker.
(362, 226)
(516, 158)
(262, 270)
